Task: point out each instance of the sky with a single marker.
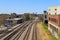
(26, 6)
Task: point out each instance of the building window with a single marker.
(49, 13)
(49, 18)
(55, 9)
(45, 16)
(55, 13)
(52, 19)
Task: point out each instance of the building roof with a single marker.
(53, 7)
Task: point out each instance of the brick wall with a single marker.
(55, 19)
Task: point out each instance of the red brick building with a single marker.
(54, 20)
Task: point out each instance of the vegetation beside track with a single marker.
(48, 32)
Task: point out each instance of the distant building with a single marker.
(54, 20)
(21, 16)
(40, 17)
(13, 21)
(45, 17)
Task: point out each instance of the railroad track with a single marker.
(17, 36)
(13, 33)
(24, 32)
(28, 32)
(34, 35)
(7, 32)
(31, 33)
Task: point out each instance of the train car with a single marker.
(12, 22)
